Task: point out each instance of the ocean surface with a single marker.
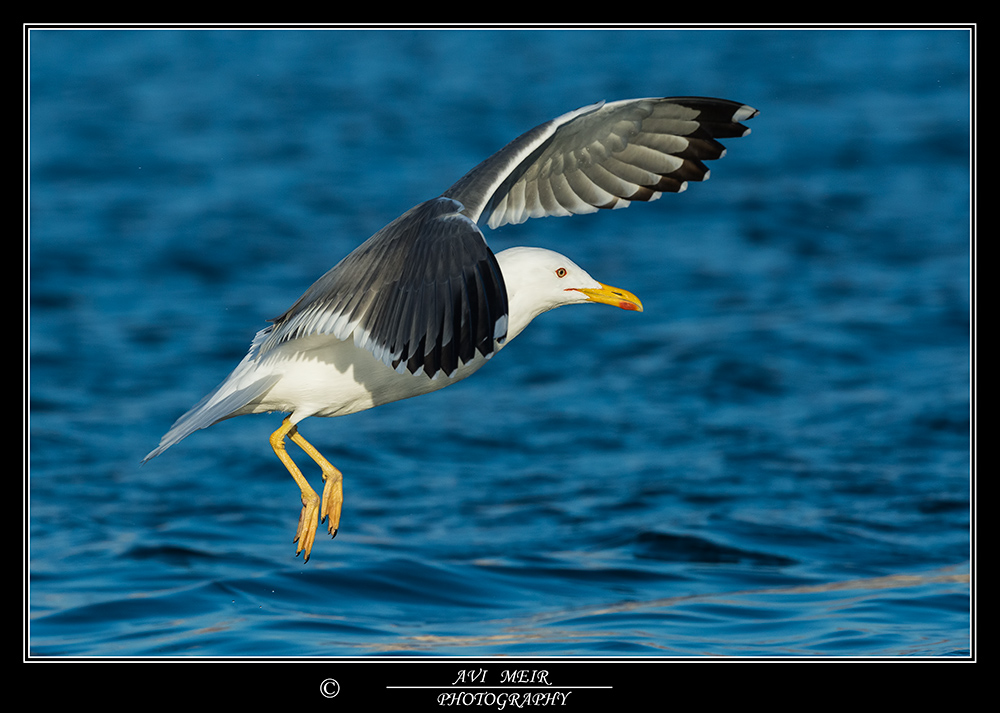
(772, 460)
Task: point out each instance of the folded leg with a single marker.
(333, 491)
(308, 519)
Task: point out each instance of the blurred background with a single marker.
(771, 460)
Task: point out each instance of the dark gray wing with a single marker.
(424, 294)
(601, 156)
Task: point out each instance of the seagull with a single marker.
(425, 303)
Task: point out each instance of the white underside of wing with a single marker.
(606, 156)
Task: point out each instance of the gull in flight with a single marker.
(424, 302)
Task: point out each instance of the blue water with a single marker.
(771, 460)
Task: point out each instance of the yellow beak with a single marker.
(605, 294)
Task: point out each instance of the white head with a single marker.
(538, 280)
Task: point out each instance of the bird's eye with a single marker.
(561, 272)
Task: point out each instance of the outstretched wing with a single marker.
(601, 156)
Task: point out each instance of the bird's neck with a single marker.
(519, 315)
(523, 304)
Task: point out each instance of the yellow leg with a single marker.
(333, 491)
(308, 520)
